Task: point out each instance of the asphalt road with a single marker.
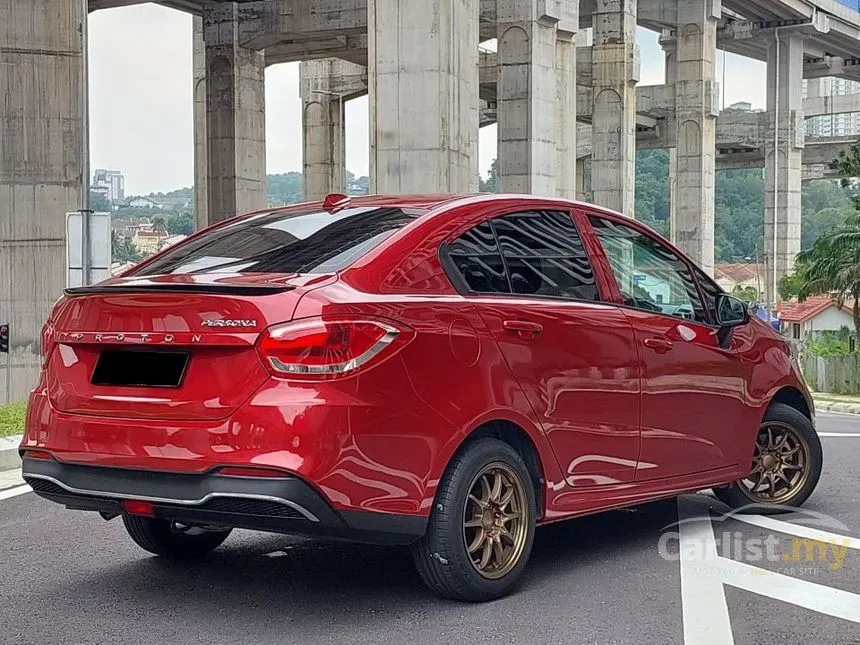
(71, 578)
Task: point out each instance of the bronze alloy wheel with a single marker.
(495, 522)
(780, 466)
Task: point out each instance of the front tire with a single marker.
(171, 540)
(786, 465)
(482, 524)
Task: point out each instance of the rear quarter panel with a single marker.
(423, 402)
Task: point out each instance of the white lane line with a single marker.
(703, 601)
(14, 492)
(839, 434)
(798, 530)
(796, 591)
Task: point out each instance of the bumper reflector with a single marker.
(37, 454)
(136, 507)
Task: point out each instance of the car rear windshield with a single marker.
(303, 242)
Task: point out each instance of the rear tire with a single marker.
(163, 538)
(787, 451)
(486, 497)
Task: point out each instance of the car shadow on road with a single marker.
(330, 582)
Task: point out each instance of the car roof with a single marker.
(423, 202)
(432, 201)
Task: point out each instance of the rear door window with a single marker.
(535, 253)
(304, 242)
(544, 256)
(477, 261)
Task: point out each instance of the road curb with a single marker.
(836, 406)
(9, 458)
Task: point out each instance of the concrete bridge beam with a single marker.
(528, 95)
(696, 100)
(235, 116)
(324, 127)
(423, 86)
(783, 158)
(615, 72)
(42, 162)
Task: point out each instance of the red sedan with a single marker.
(443, 372)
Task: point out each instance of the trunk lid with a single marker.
(174, 347)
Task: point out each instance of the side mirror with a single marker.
(731, 312)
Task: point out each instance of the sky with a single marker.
(141, 120)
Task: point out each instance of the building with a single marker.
(170, 241)
(816, 313)
(111, 181)
(143, 202)
(732, 276)
(832, 125)
(148, 241)
(175, 204)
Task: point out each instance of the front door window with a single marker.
(649, 275)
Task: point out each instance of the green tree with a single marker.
(159, 224)
(832, 265)
(357, 185)
(123, 248)
(745, 293)
(182, 224)
(491, 185)
(790, 286)
(284, 189)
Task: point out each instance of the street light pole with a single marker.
(86, 219)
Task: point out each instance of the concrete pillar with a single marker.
(668, 43)
(201, 144)
(423, 85)
(42, 141)
(615, 72)
(323, 125)
(565, 67)
(529, 97)
(235, 116)
(581, 188)
(692, 223)
(783, 166)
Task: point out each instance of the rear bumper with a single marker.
(281, 505)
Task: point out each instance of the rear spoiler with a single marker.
(181, 287)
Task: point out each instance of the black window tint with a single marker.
(475, 255)
(710, 290)
(477, 241)
(545, 256)
(482, 273)
(538, 234)
(308, 242)
(649, 275)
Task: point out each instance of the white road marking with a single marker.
(820, 598)
(800, 531)
(839, 434)
(705, 613)
(704, 573)
(14, 492)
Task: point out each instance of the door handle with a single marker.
(659, 345)
(523, 328)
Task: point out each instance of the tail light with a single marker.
(321, 348)
(47, 342)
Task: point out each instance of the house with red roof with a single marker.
(738, 275)
(816, 313)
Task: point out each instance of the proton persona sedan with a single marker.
(441, 372)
